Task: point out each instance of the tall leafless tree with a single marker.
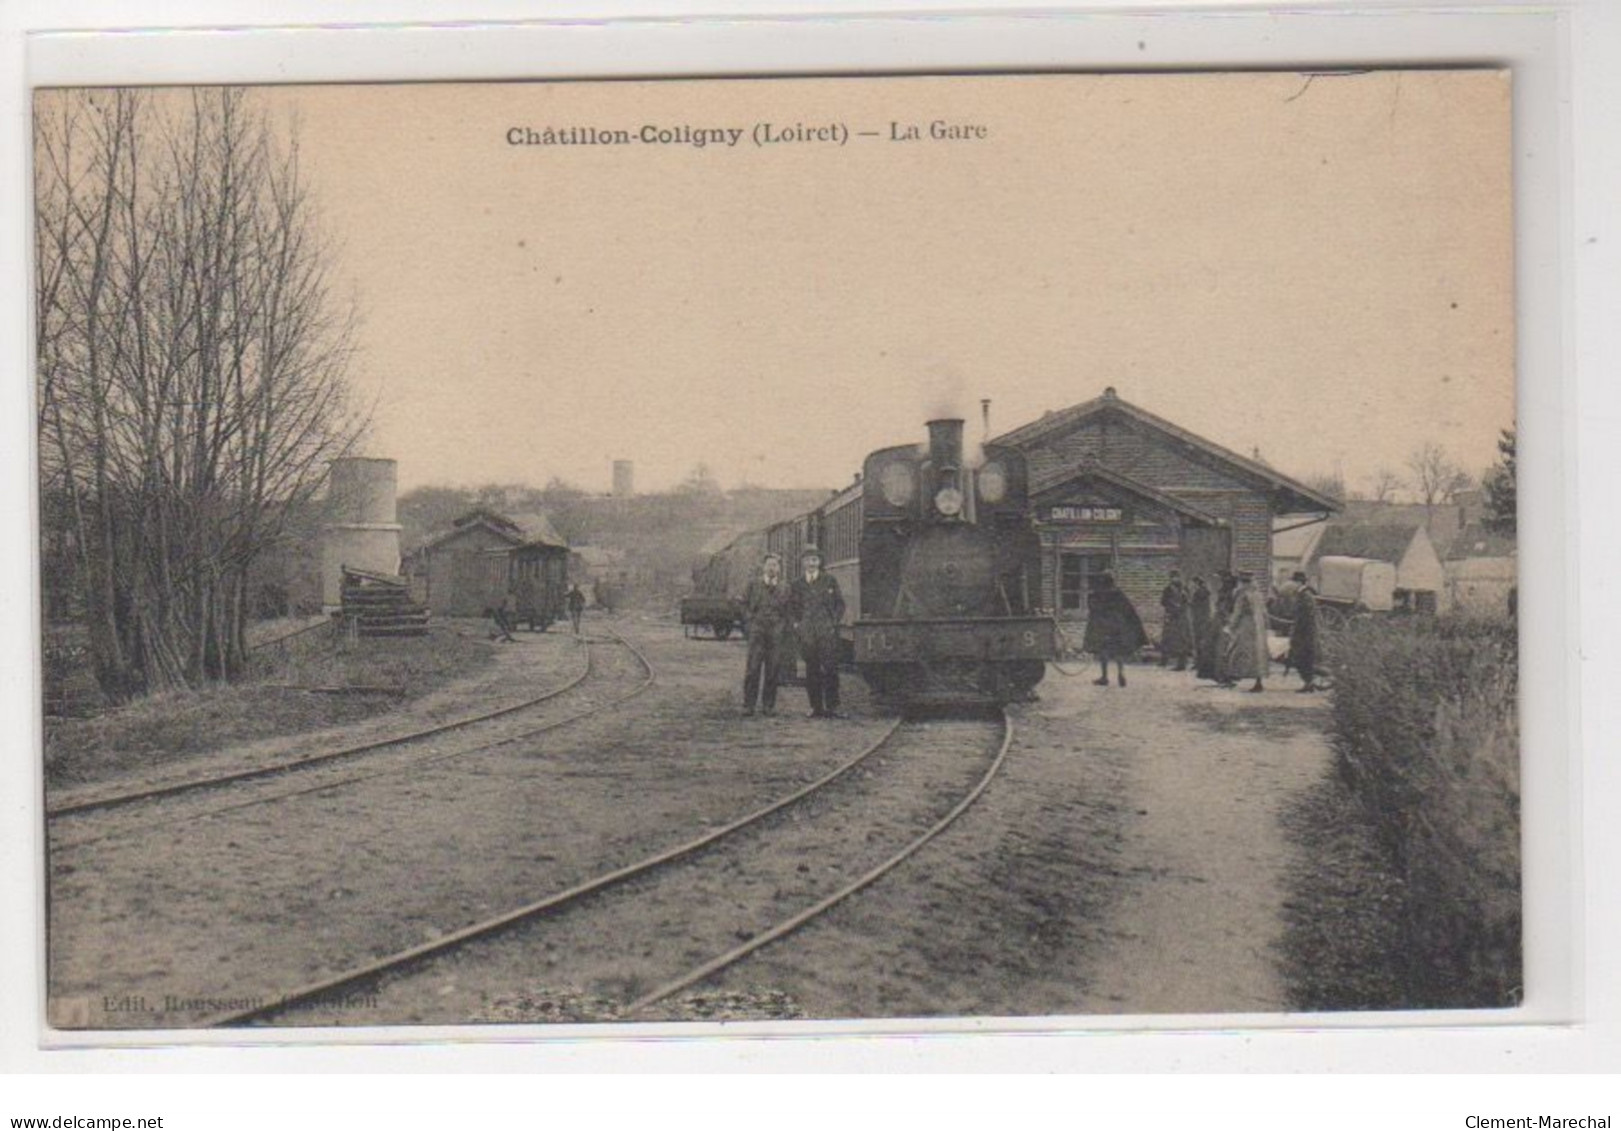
(192, 366)
(1436, 478)
(1384, 484)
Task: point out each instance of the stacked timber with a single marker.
(380, 604)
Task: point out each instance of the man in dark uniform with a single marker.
(576, 606)
(765, 604)
(1204, 643)
(1303, 632)
(817, 607)
(1114, 631)
(1176, 633)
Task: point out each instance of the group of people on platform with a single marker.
(780, 613)
(1222, 636)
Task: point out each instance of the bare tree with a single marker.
(192, 366)
(1384, 484)
(1436, 478)
(1330, 483)
(699, 481)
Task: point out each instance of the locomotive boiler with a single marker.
(950, 572)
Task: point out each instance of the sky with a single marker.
(1317, 268)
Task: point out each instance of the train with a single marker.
(940, 565)
(535, 573)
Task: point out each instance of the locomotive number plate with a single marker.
(1010, 638)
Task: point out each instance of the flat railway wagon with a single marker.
(535, 573)
(716, 603)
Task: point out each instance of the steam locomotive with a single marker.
(940, 566)
(950, 571)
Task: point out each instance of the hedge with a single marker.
(1426, 730)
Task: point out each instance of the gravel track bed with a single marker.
(522, 671)
(1131, 858)
(607, 680)
(272, 896)
(1135, 855)
(585, 961)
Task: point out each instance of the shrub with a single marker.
(1426, 732)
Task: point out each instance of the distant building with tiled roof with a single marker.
(1482, 568)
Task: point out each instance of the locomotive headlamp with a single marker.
(948, 501)
(897, 483)
(993, 482)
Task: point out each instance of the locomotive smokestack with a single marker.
(945, 443)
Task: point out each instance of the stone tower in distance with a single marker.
(624, 478)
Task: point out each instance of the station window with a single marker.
(1075, 573)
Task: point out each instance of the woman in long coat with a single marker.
(1226, 593)
(1114, 631)
(1246, 652)
(1303, 633)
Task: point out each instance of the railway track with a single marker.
(774, 868)
(334, 769)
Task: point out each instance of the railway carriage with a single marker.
(535, 573)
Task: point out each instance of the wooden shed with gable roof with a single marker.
(1118, 488)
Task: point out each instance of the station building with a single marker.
(1117, 488)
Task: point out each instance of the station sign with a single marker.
(1083, 512)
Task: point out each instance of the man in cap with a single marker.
(817, 608)
(765, 605)
(1303, 632)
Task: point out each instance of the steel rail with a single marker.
(415, 763)
(119, 800)
(393, 963)
(788, 926)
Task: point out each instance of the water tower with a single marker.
(624, 478)
(362, 531)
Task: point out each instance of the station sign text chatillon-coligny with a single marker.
(1084, 512)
